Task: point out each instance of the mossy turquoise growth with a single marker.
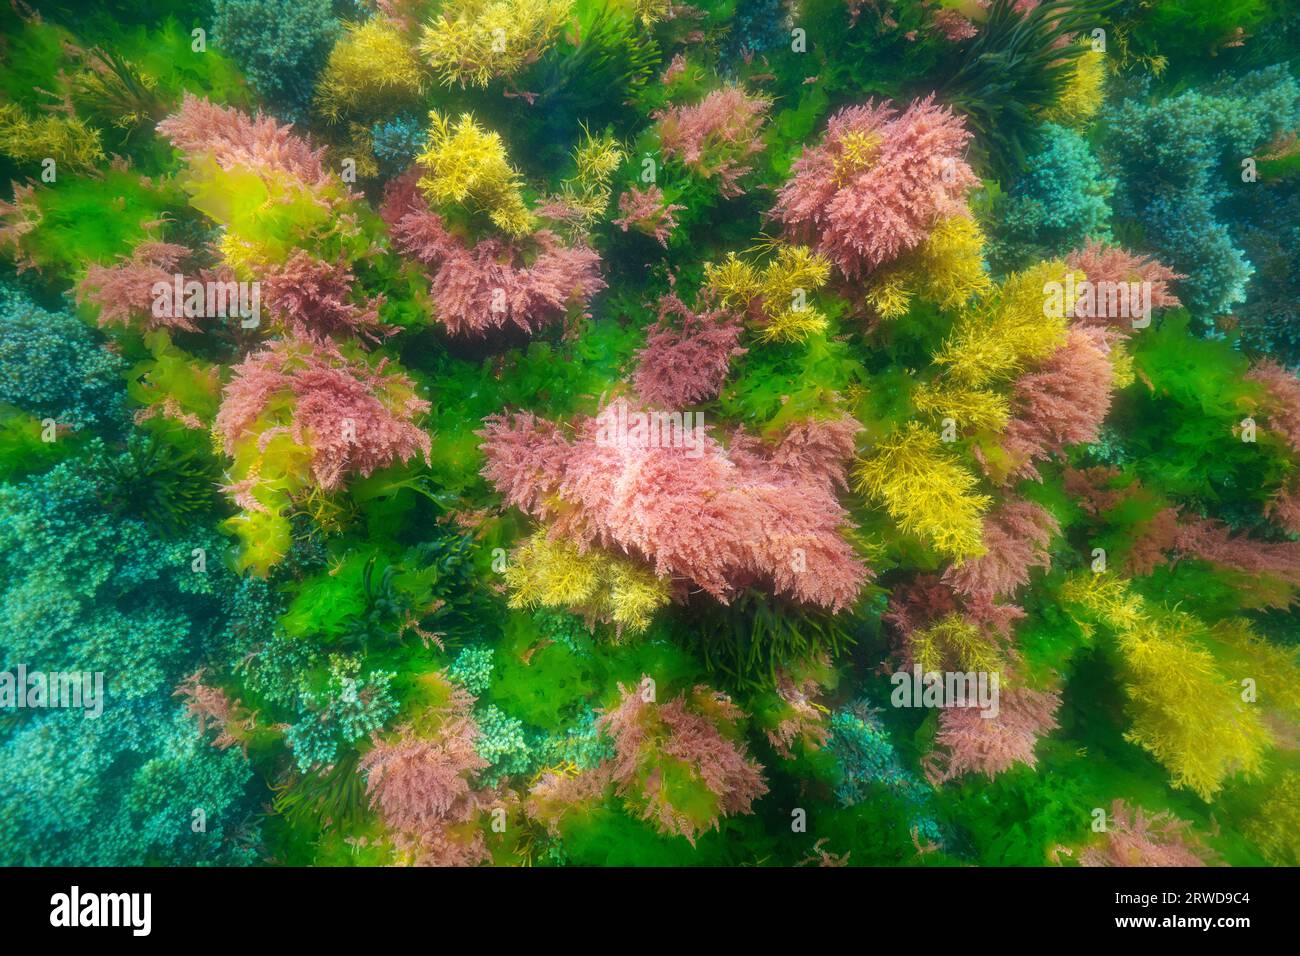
(502, 744)
(1193, 164)
(53, 366)
(866, 760)
(281, 46)
(397, 141)
(347, 709)
(1061, 202)
(473, 668)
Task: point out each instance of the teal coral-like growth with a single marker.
(604, 433)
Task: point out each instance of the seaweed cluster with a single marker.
(630, 432)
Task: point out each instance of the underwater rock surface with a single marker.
(630, 432)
